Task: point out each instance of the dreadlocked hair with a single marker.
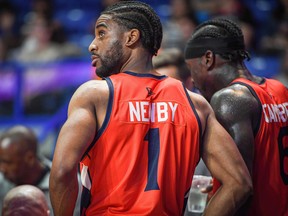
(222, 28)
(141, 16)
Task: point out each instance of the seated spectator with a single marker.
(38, 45)
(180, 24)
(9, 30)
(25, 200)
(171, 62)
(20, 164)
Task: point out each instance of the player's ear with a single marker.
(132, 37)
(209, 59)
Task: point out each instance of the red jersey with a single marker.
(145, 154)
(270, 167)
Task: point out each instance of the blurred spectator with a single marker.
(282, 76)
(248, 30)
(170, 62)
(206, 9)
(43, 8)
(179, 26)
(228, 8)
(242, 15)
(9, 30)
(20, 164)
(233, 8)
(25, 200)
(38, 45)
(44, 42)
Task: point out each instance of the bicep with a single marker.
(220, 153)
(76, 135)
(235, 115)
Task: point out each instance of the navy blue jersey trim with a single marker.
(185, 201)
(145, 75)
(256, 129)
(109, 108)
(85, 197)
(107, 116)
(197, 117)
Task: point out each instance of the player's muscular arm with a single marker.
(75, 136)
(224, 161)
(238, 111)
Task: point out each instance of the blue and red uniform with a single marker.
(270, 167)
(145, 154)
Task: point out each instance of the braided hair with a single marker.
(141, 16)
(222, 28)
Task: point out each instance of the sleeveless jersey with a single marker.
(144, 156)
(270, 168)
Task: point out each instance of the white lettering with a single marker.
(266, 117)
(271, 114)
(275, 112)
(162, 112)
(144, 106)
(144, 111)
(281, 113)
(173, 108)
(135, 111)
(285, 105)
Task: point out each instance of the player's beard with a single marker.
(110, 62)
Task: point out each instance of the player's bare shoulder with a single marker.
(234, 101)
(93, 94)
(93, 89)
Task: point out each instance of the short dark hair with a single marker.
(139, 15)
(175, 57)
(22, 136)
(223, 29)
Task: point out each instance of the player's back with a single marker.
(270, 167)
(145, 154)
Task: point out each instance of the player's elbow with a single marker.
(62, 174)
(244, 187)
(247, 189)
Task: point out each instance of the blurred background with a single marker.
(44, 50)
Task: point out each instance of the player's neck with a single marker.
(138, 63)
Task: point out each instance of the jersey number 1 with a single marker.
(153, 139)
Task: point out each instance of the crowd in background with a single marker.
(46, 27)
(50, 30)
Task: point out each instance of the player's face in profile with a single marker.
(106, 48)
(110, 61)
(199, 75)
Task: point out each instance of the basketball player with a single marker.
(139, 135)
(254, 110)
